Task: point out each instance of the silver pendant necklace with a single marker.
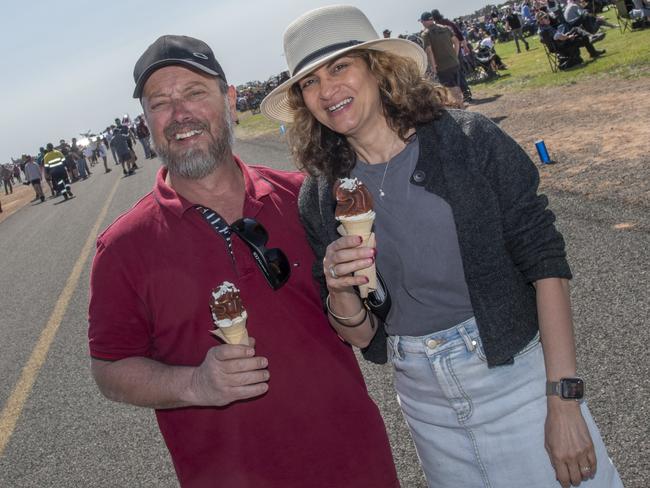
(382, 193)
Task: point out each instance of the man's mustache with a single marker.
(175, 127)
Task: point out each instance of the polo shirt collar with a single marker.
(256, 185)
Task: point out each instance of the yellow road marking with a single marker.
(14, 406)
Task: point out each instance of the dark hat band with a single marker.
(322, 52)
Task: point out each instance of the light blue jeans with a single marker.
(478, 427)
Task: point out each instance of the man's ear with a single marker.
(232, 101)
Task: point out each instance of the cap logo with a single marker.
(200, 55)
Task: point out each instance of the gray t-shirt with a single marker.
(417, 249)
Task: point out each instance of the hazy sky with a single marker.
(68, 64)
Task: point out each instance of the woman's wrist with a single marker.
(339, 312)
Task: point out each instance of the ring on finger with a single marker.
(586, 469)
(333, 272)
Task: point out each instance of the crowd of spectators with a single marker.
(66, 163)
(474, 38)
(463, 50)
(459, 51)
(251, 94)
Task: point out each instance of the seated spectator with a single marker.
(486, 47)
(528, 18)
(567, 43)
(557, 14)
(576, 16)
(641, 9)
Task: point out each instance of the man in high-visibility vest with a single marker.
(55, 167)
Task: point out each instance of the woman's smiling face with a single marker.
(344, 96)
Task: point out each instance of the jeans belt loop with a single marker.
(470, 344)
(396, 348)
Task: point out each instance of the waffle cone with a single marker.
(235, 334)
(363, 228)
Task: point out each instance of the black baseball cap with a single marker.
(426, 16)
(170, 50)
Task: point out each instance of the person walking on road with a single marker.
(33, 176)
(109, 137)
(54, 163)
(102, 153)
(472, 309)
(290, 409)
(119, 143)
(142, 132)
(7, 175)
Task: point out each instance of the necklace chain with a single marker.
(382, 194)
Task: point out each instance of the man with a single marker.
(82, 152)
(54, 164)
(463, 53)
(386, 33)
(576, 16)
(567, 44)
(142, 131)
(442, 49)
(514, 26)
(119, 143)
(40, 160)
(33, 175)
(290, 409)
(123, 129)
(109, 137)
(7, 175)
(528, 17)
(102, 152)
(64, 147)
(641, 10)
(426, 19)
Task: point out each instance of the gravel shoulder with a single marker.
(597, 131)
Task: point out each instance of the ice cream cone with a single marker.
(356, 227)
(363, 228)
(235, 333)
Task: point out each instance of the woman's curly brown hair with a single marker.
(407, 100)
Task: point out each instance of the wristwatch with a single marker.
(567, 388)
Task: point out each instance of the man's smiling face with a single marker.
(189, 119)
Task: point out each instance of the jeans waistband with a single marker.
(464, 334)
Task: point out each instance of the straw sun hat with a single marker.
(325, 34)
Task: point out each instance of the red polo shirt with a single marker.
(150, 285)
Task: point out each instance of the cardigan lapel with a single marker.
(327, 206)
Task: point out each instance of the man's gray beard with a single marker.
(196, 163)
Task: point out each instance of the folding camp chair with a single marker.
(552, 57)
(623, 16)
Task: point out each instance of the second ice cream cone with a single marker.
(234, 334)
(363, 228)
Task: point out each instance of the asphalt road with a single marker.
(68, 435)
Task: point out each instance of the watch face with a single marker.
(572, 388)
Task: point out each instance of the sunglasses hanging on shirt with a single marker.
(272, 262)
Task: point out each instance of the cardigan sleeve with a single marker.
(315, 228)
(308, 207)
(535, 245)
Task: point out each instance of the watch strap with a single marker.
(552, 388)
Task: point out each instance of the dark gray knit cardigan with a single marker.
(506, 234)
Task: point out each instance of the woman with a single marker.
(475, 268)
